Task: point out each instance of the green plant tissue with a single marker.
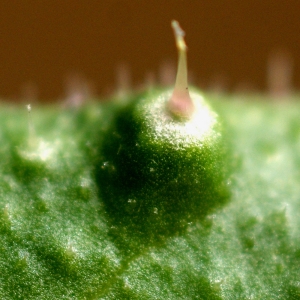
(59, 240)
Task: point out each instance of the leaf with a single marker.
(59, 242)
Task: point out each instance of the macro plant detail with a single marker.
(174, 194)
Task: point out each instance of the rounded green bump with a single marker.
(159, 172)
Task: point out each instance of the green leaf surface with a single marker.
(58, 240)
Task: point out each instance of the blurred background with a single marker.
(60, 48)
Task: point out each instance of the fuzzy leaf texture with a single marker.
(59, 239)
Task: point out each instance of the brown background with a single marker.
(41, 41)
